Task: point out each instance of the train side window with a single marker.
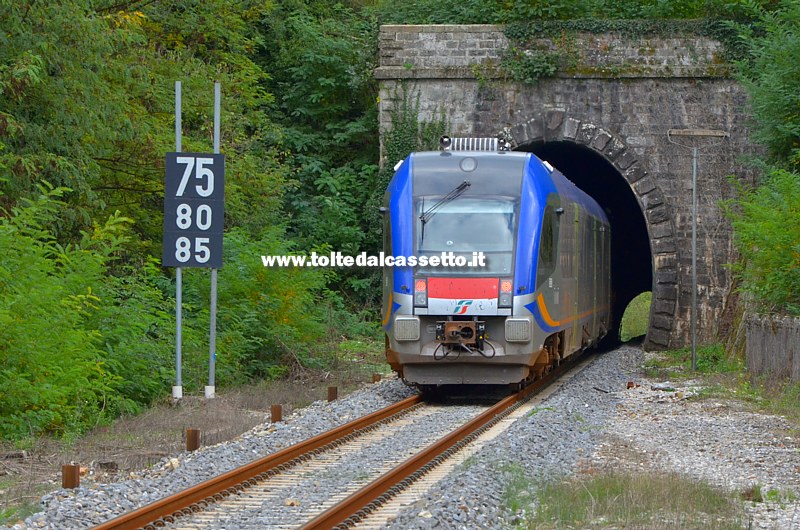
(387, 232)
(547, 245)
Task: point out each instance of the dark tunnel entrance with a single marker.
(631, 260)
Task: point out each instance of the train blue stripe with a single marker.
(402, 216)
(537, 184)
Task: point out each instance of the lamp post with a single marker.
(691, 135)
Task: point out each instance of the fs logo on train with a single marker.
(462, 306)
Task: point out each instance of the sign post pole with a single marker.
(212, 340)
(177, 390)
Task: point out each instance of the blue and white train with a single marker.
(542, 292)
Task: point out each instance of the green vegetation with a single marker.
(765, 219)
(636, 318)
(503, 12)
(711, 359)
(86, 115)
(757, 493)
(723, 375)
(18, 513)
(86, 101)
(637, 500)
(767, 229)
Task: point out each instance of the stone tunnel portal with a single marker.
(631, 259)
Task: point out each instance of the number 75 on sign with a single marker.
(194, 210)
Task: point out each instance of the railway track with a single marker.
(291, 488)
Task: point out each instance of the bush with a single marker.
(53, 377)
(268, 318)
(771, 75)
(767, 231)
(135, 319)
(85, 339)
(765, 219)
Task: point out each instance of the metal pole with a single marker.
(217, 100)
(694, 134)
(177, 390)
(212, 341)
(694, 259)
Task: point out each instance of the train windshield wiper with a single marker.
(430, 212)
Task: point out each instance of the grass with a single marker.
(627, 496)
(537, 410)
(722, 375)
(757, 493)
(676, 364)
(19, 511)
(725, 376)
(616, 499)
(636, 318)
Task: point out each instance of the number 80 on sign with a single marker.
(193, 210)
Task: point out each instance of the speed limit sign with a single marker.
(194, 210)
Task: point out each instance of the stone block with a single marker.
(586, 133)
(652, 200)
(571, 128)
(667, 277)
(664, 245)
(656, 215)
(661, 230)
(600, 141)
(665, 261)
(666, 292)
(625, 160)
(535, 129)
(644, 186)
(664, 307)
(634, 173)
(554, 119)
(661, 322)
(658, 338)
(614, 148)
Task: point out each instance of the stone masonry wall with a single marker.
(449, 51)
(620, 100)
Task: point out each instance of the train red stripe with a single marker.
(462, 287)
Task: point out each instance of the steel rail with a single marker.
(359, 504)
(182, 502)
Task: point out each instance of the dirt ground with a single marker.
(114, 452)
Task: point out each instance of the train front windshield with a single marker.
(465, 225)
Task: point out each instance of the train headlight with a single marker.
(406, 328)
(420, 293)
(518, 330)
(506, 292)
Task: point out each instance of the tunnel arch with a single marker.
(643, 242)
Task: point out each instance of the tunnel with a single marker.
(631, 260)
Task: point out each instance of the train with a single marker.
(505, 268)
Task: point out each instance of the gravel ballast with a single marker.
(546, 444)
(577, 426)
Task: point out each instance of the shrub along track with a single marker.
(331, 473)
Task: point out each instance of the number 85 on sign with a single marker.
(194, 209)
